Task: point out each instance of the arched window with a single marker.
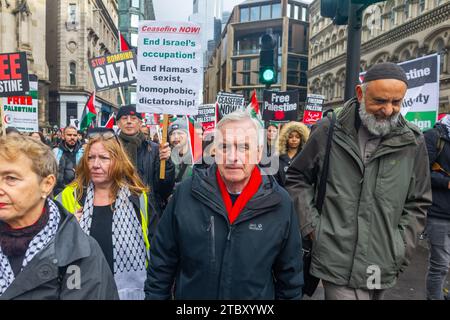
(405, 55)
(73, 74)
(439, 48)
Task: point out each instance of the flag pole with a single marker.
(162, 168)
(122, 96)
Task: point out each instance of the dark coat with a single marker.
(372, 212)
(148, 168)
(283, 165)
(50, 274)
(439, 181)
(257, 257)
(67, 162)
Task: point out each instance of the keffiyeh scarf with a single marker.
(36, 245)
(129, 251)
(446, 122)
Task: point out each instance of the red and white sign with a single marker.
(313, 109)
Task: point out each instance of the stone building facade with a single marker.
(78, 30)
(394, 30)
(234, 64)
(22, 28)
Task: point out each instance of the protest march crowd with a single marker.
(266, 212)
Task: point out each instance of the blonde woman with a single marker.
(111, 204)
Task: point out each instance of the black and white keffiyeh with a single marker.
(446, 122)
(36, 245)
(129, 251)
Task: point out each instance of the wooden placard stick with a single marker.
(162, 168)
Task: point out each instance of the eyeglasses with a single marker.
(105, 135)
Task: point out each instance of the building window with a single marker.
(134, 39)
(134, 21)
(276, 11)
(265, 12)
(72, 112)
(245, 14)
(73, 74)
(135, 3)
(406, 10)
(440, 50)
(72, 13)
(304, 17)
(254, 13)
(289, 8)
(421, 6)
(296, 10)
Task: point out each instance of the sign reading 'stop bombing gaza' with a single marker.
(280, 106)
(169, 67)
(114, 70)
(228, 103)
(421, 103)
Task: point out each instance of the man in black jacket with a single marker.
(68, 155)
(146, 156)
(438, 220)
(228, 232)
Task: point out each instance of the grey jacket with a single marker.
(70, 267)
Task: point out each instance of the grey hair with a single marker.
(240, 115)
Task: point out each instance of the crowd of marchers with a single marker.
(274, 211)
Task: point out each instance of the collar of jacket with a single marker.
(69, 245)
(206, 190)
(63, 146)
(348, 120)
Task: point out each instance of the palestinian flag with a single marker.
(195, 141)
(89, 113)
(253, 108)
(123, 44)
(160, 119)
(110, 123)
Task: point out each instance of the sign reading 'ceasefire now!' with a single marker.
(169, 67)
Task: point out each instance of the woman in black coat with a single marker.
(293, 137)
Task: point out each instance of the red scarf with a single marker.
(249, 191)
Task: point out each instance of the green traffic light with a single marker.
(268, 75)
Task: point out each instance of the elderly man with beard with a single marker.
(377, 190)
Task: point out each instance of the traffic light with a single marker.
(268, 57)
(336, 10)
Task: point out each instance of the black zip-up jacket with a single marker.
(66, 165)
(439, 181)
(52, 274)
(148, 169)
(257, 257)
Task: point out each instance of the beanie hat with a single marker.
(128, 110)
(178, 125)
(386, 70)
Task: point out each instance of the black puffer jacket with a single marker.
(51, 274)
(257, 257)
(67, 161)
(439, 181)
